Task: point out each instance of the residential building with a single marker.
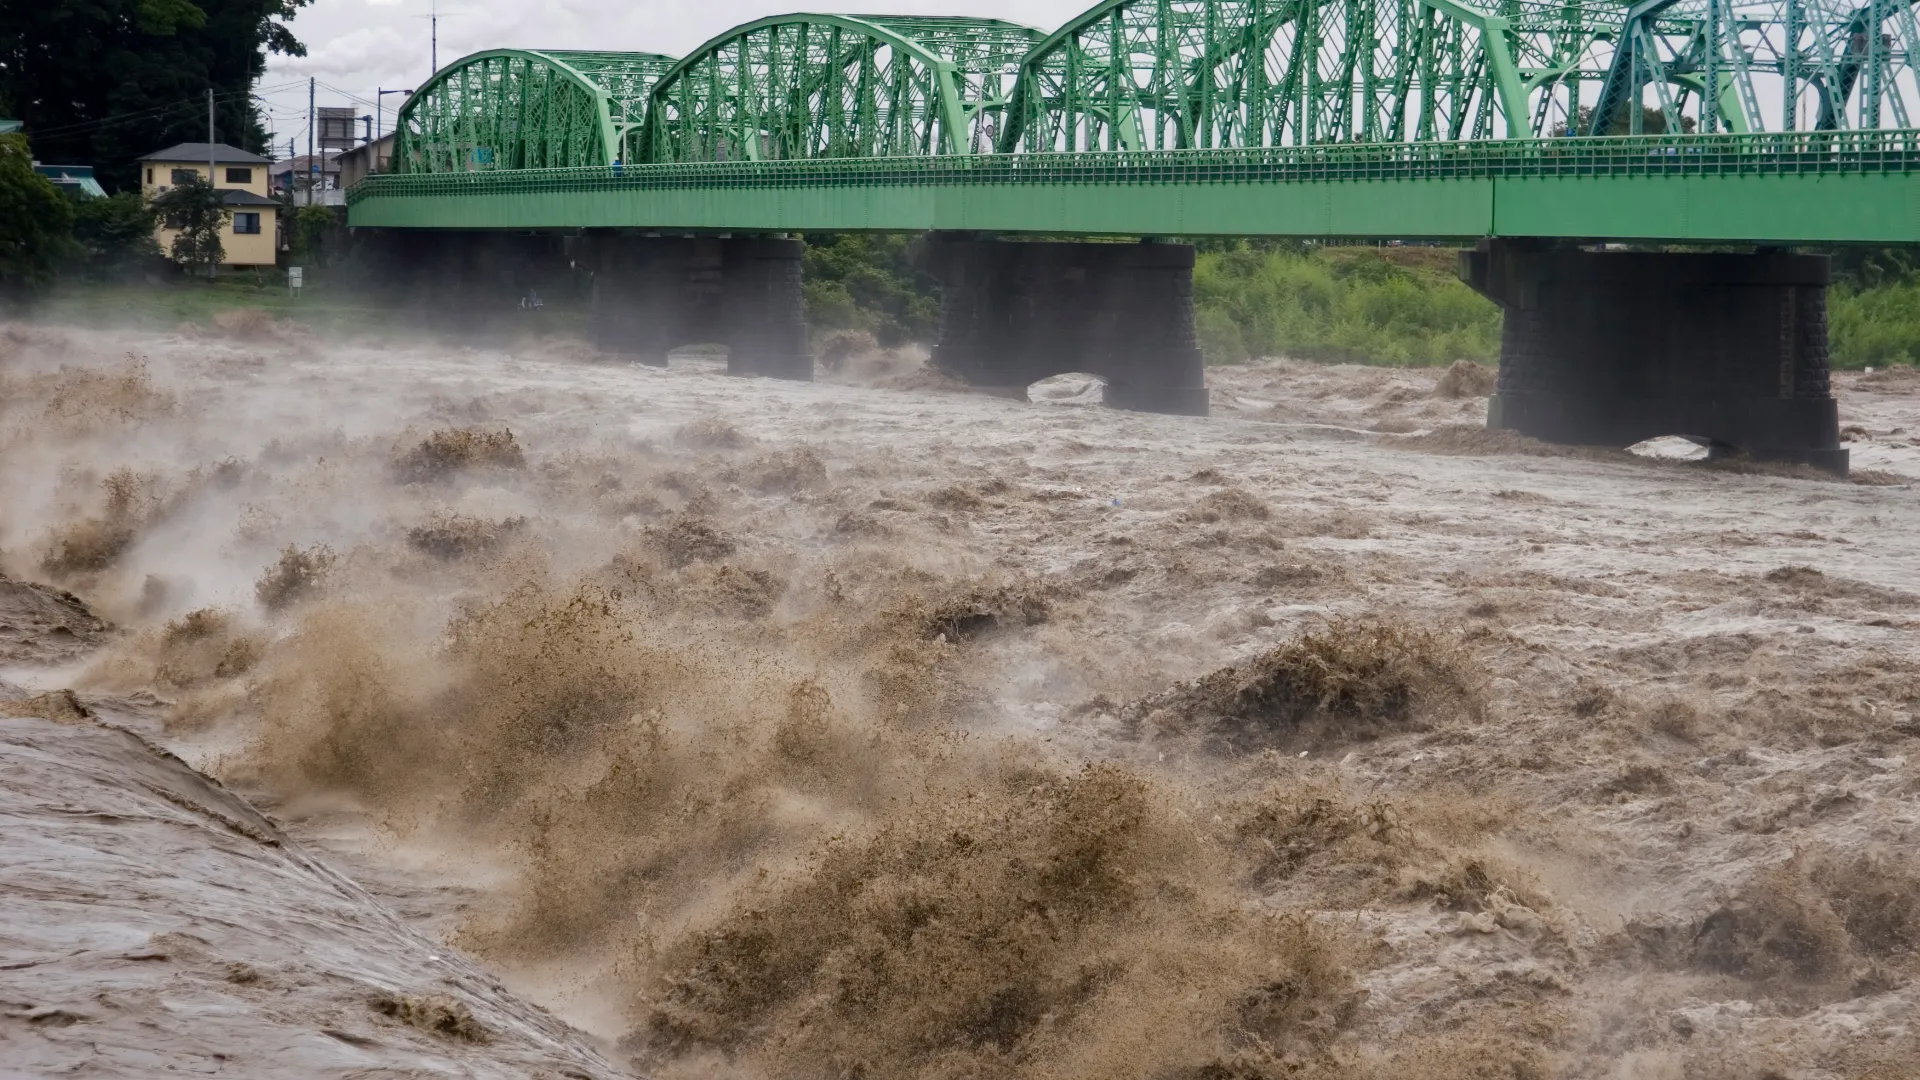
(312, 179)
(241, 180)
(372, 157)
(77, 179)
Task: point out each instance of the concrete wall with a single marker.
(373, 157)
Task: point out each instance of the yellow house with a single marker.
(253, 219)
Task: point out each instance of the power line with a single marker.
(121, 118)
(349, 95)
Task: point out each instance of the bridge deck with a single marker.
(1830, 186)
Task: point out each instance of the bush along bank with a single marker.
(1873, 326)
(1390, 305)
(1404, 305)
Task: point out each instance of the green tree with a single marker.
(311, 226)
(115, 234)
(1862, 267)
(101, 82)
(866, 281)
(1652, 122)
(1372, 305)
(193, 207)
(35, 219)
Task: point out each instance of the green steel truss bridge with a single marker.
(1685, 120)
(1533, 127)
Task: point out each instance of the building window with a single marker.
(239, 176)
(149, 174)
(246, 223)
(185, 176)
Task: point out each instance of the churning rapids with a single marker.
(381, 710)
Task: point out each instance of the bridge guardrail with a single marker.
(1762, 153)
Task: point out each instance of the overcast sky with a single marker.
(355, 47)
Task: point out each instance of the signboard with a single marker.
(296, 277)
(336, 128)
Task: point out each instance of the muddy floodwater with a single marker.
(415, 709)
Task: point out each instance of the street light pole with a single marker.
(379, 100)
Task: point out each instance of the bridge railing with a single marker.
(1758, 154)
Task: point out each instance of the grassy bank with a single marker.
(332, 311)
(1403, 305)
(167, 304)
(1389, 305)
(1874, 326)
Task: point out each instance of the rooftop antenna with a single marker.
(433, 18)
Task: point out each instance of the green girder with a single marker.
(525, 109)
(1785, 187)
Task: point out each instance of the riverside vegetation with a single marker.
(1390, 305)
(1395, 305)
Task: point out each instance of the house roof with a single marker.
(237, 197)
(72, 178)
(196, 152)
(329, 163)
(8, 127)
(384, 142)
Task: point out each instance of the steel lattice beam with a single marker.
(814, 86)
(1129, 75)
(525, 109)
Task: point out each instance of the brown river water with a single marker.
(423, 710)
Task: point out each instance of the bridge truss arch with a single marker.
(1195, 74)
(833, 86)
(1131, 75)
(525, 109)
(1783, 65)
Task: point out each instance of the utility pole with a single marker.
(310, 115)
(211, 183)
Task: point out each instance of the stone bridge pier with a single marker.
(648, 294)
(1609, 348)
(1015, 312)
(652, 294)
(469, 280)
